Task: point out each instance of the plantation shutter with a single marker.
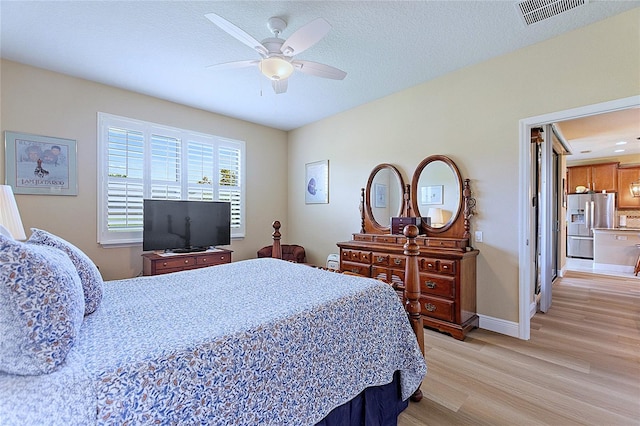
(125, 180)
(229, 178)
(139, 160)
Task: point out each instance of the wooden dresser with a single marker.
(155, 264)
(442, 201)
(447, 275)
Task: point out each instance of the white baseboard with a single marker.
(498, 325)
(606, 267)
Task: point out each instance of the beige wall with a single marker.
(472, 116)
(45, 103)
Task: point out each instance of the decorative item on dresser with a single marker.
(446, 261)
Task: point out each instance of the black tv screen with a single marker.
(184, 226)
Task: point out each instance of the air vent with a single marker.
(532, 11)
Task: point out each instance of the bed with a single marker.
(261, 341)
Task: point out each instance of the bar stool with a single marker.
(637, 268)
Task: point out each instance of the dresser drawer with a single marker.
(395, 277)
(437, 308)
(176, 262)
(380, 259)
(437, 285)
(213, 259)
(356, 256)
(363, 237)
(440, 266)
(356, 268)
(445, 244)
(388, 239)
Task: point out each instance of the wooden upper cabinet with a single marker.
(626, 175)
(596, 177)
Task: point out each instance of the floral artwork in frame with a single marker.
(40, 164)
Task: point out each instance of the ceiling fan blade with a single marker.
(238, 33)
(233, 65)
(280, 86)
(319, 70)
(305, 37)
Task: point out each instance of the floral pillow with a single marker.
(42, 307)
(90, 277)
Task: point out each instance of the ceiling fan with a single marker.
(277, 62)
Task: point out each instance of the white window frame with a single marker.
(106, 121)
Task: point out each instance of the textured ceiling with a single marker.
(162, 49)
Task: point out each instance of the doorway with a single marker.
(531, 223)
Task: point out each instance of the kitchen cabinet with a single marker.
(595, 177)
(627, 175)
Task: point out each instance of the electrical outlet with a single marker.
(478, 236)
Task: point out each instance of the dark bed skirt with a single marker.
(375, 406)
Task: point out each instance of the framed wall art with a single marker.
(380, 192)
(431, 194)
(40, 164)
(317, 182)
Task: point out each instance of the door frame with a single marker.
(527, 303)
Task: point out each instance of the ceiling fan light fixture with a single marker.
(276, 68)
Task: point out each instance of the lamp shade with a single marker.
(436, 216)
(635, 188)
(276, 68)
(9, 215)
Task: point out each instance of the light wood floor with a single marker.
(581, 366)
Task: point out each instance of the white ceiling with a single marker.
(162, 48)
(613, 134)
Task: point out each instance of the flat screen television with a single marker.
(185, 226)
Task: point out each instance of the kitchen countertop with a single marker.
(616, 229)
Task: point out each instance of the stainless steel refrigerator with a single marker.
(585, 212)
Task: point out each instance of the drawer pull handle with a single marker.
(445, 266)
(355, 270)
(397, 261)
(380, 259)
(186, 262)
(431, 284)
(164, 264)
(430, 265)
(430, 307)
(204, 259)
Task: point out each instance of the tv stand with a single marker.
(155, 264)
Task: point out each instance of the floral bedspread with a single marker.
(261, 341)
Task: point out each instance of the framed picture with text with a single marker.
(40, 164)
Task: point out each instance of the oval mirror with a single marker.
(384, 196)
(436, 190)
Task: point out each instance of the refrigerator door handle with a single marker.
(591, 214)
(587, 216)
